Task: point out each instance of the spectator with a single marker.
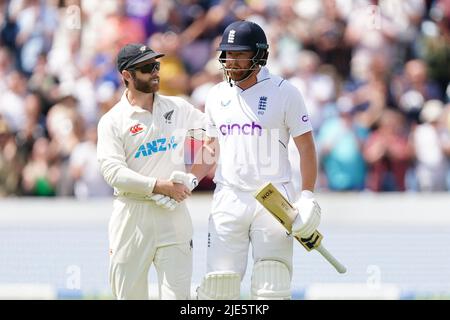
(5, 67)
(340, 152)
(173, 77)
(414, 82)
(84, 168)
(9, 166)
(35, 24)
(40, 176)
(318, 89)
(65, 127)
(435, 45)
(33, 129)
(328, 38)
(120, 28)
(12, 101)
(432, 148)
(367, 90)
(388, 153)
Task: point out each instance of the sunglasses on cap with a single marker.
(148, 68)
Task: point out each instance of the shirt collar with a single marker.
(130, 109)
(262, 74)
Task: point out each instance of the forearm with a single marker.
(308, 160)
(125, 179)
(308, 169)
(113, 166)
(162, 187)
(205, 160)
(201, 170)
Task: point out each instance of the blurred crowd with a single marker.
(375, 77)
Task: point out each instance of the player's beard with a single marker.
(146, 86)
(239, 75)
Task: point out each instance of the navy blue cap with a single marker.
(243, 36)
(135, 53)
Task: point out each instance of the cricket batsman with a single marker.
(251, 116)
(140, 152)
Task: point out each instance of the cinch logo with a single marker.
(136, 129)
(231, 36)
(246, 129)
(157, 145)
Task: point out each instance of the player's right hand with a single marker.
(176, 191)
(179, 192)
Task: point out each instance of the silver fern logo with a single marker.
(168, 116)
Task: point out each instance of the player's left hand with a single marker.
(308, 217)
(163, 201)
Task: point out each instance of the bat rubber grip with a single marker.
(329, 257)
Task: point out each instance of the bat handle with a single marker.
(327, 255)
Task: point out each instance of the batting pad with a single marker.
(271, 280)
(221, 285)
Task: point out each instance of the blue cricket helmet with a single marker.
(245, 36)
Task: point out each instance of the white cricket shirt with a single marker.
(253, 128)
(135, 147)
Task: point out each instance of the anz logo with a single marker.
(157, 145)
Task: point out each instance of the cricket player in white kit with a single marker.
(251, 116)
(140, 146)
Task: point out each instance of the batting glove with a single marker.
(166, 202)
(188, 179)
(308, 217)
(163, 201)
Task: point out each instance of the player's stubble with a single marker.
(237, 75)
(146, 86)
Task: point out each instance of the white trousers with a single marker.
(141, 233)
(237, 220)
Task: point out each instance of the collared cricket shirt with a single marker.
(135, 147)
(253, 128)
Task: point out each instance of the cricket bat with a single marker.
(285, 213)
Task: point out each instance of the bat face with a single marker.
(280, 220)
(277, 205)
